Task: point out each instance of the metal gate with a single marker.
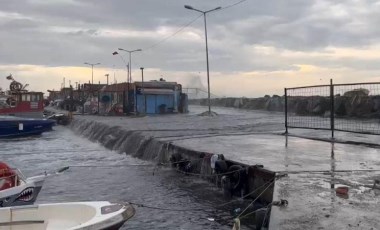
(335, 107)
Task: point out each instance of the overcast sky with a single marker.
(255, 48)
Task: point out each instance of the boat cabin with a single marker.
(20, 102)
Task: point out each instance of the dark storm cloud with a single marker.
(69, 32)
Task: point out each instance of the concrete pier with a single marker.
(314, 169)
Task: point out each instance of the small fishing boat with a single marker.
(76, 215)
(11, 127)
(16, 189)
(18, 101)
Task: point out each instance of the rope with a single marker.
(232, 201)
(213, 175)
(167, 209)
(181, 161)
(329, 171)
(250, 213)
(109, 166)
(255, 199)
(176, 162)
(266, 216)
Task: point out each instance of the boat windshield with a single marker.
(3, 103)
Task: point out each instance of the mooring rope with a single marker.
(181, 161)
(212, 175)
(245, 196)
(329, 171)
(255, 199)
(110, 166)
(250, 213)
(167, 209)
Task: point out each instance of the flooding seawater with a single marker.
(165, 188)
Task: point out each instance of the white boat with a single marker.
(79, 215)
(24, 191)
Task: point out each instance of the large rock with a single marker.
(354, 103)
(376, 104)
(359, 106)
(275, 103)
(318, 105)
(340, 106)
(238, 102)
(301, 107)
(360, 92)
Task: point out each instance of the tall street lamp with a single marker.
(142, 87)
(125, 63)
(208, 70)
(107, 77)
(125, 106)
(92, 68)
(130, 60)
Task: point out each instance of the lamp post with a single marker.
(130, 60)
(208, 70)
(92, 69)
(142, 87)
(130, 68)
(125, 106)
(107, 77)
(125, 63)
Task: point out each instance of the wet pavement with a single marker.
(315, 168)
(280, 153)
(313, 202)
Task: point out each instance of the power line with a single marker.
(187, 25)
(234, 4)
(172, 35)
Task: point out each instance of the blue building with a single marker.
(159, 97)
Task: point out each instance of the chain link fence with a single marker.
(336, 107)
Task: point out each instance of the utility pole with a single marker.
(142, 88)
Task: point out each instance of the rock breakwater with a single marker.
(356, 103)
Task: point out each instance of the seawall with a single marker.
(233, 178)
(250, 142)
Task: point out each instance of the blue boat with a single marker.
(11, 127)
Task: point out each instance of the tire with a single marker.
(221, 166)
(236, 177)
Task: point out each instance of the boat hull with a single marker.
(30, 114)
(19, 127)
(24, 194)
(71, 216)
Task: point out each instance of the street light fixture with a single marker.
(92, 68)
(129, 78)
(208, 70)
(130, 61)
(125, 63)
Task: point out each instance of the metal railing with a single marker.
(335, 107)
